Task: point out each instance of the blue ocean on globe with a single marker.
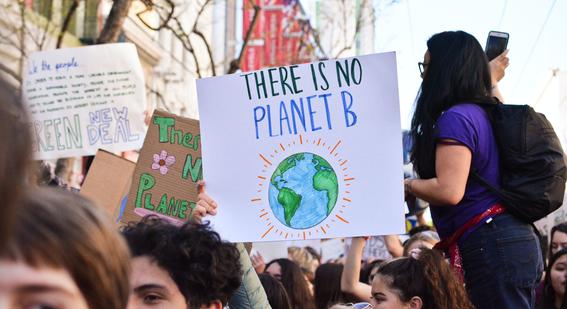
(313, 205)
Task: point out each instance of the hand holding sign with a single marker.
(205, 205)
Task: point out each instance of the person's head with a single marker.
(64, 170)
(314, 253)
(369, 271)
(328, 286)
(558, 236)
(426, 239)
(15, 155)
(186, 266)
(419, 229)
(555, 280)
(456, 71)
(63, 252)
(293, 280)
(277, 296)
(424, 282)
(305, 260)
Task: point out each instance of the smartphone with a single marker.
(496, 44)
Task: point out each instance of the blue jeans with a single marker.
(502, 264)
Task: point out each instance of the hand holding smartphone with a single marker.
(496, 44)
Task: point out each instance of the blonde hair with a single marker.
(307, 262)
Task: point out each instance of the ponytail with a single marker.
(428, 277)
(445, 288)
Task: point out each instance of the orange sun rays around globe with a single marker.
(329, 153)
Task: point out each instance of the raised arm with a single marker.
(351, 273)
(498, 67)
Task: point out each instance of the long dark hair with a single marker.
(457, 72)
(429, 277)
(561, 227)
(277, 296)
(295, 284)
(327, 286)
(548, 296)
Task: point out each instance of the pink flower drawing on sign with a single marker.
(162, 162)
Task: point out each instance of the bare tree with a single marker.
(114, 21)
(346, 19)
(70, 13)
(32, 32)
(169, 20)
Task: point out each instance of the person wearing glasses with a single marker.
(497, 254)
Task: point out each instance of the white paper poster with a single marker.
(305, 151)
(86, 98)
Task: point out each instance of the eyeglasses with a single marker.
(363, 305)
(422, 66)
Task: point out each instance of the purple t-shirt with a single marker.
(468, 124)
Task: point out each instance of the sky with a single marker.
(537, 28)
(538, 40)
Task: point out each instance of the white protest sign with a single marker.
(305, 151)
(86, 98)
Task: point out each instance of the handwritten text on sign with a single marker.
(167, 171)
(86, 98)
(305, 151)
(297, 114)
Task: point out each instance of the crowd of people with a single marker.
(57, 250)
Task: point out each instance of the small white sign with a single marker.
(86, 98)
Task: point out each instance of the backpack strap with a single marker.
(474, 175)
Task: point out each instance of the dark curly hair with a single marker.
(204, 267)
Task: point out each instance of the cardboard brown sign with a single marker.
(166, 175)
(108, 181)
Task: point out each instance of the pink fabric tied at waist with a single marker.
(450, 244)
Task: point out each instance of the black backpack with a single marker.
(532, 164)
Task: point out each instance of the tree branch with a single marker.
(66, 22)
(114, 21)
(186, 41)
(10, 72)
(203, 38)
(235, 64)
(357, 28)
(163, 21)
(209, 50)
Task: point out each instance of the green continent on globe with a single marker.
(285, 165)
(321, 164)
(326, 180)
(290, 202)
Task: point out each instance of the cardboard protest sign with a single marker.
(166, 175)
(108, 182)
(305, 151)
(86, 98)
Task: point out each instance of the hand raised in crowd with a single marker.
(205, 205)
(258, 262)
(498, 67)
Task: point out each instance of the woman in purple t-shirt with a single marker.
(497, 254)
